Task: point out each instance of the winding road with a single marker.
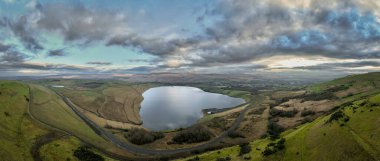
(140, 150)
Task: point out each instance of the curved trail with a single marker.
(140, 150)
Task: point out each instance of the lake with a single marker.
(171, 107)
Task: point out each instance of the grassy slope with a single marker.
(49, 108)
(352, 80)
(19, 131)
(62, 149)
(358, 139)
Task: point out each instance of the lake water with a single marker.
(171, 107)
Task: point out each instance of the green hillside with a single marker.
(22, 137)
(350, 132)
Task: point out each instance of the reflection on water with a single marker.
(172, 107)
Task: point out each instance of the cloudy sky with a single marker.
(117, 37)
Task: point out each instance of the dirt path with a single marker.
(41, 141)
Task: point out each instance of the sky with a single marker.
(121, 37)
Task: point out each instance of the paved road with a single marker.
(140, 150)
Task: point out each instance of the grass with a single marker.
(57, 114)
(357, 139)
(362, 80)
(17, 132)
(112, 101)
(62, 149)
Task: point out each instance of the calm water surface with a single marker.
(171, 107)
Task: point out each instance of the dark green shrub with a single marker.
(140, 136)
(337, 116)
(274, 147)
(194, 159)
(235, 134)
(83, 154)
(268, 151)
(192, 135)
(275, 112)
(244, 149)
(274, 130)
(307, 113)
(228, 158)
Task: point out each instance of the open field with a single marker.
(63, 149)
(353, 136)
(357, 139)
(18, 132)
(54, 112)
(21, 137)
(111, 104)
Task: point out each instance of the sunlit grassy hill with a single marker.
(31, 126)
(349, 132)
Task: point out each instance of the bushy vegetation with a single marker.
(339, 115)
(83, 154)
(235, 134)
(274, 130)
(275, 112)
(326, 94)
(274, 147)
(227, 158)
(244, 148)
(194, 159)
(218, 122)
(141, 136)
(307, 113)
(192, 135)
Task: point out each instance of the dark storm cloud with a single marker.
(101, 63)
(246, 19)
(155, 46)
(57, 52)
(241, 32)
(10, 56)
(4, 47)
(76, 22)
(20, 28)
(253, 30)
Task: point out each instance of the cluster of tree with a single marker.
(194, 159)
(274, 147)
(141, 136)
(244, 149)
(275, 112)
(235, 134)
(83, 154)
(192, 135)
(307, 113)
(227, 158)
(274, 130)
(319, 96)
(369, 104)
(338, 115)
(326, 94)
